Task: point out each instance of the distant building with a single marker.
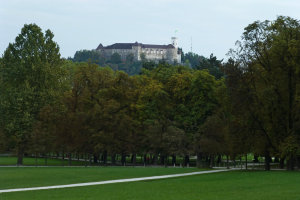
(153, 52)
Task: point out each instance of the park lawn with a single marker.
(29, 161)
(19, 177)
(237, 185)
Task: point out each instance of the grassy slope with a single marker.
(14, 177)
(223, 186)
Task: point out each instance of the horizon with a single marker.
(204, 27)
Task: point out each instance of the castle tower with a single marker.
(174, 42)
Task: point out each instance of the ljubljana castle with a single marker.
(152, 52)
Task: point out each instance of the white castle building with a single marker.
(152, 52)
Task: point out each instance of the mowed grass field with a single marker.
(241, 185)
(20, 177)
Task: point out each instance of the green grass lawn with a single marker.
(256, 185)
(18, 177)
(29, 161)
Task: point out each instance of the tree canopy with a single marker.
(30, 75)
(204, 107)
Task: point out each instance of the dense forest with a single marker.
(205, 107)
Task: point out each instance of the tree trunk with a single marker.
(145, 159)
(212, 159)
(199, 160)
(35, 158)
(219, 160)
(267, 161)
(174, 160)
(281, 163)
(90, 159)
(70, 159)
(46, 159)
(104, 156)
(298, 162)
(85, 160)
(154, 159)
(133, 159)
(95, 158)
(241, 162)
(162, 160)
(207, 161)
(166, 160)
(20, 156)
(187, 160)
(113, 159)
(234, 162)
(290, 164)
(123, 159)
(246, 161)
(63, 158)
(227, 161)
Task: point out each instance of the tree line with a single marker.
(211, 109)
(129, 65)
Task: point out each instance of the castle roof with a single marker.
(100, 46)
(130, 45)
(120, 46)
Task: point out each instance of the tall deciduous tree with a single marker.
(269, 57)
(30, 74)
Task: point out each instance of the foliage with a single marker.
(268, 59)
(129, 65)
(115, 58)
(207, 108)
(30, 77)
(92, 56)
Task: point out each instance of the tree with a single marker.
(94, 56)
(130, 58)
(30, 74)
(240, 135)
(192, 58)
(212, 64)
(115, 58)
(177, 102)
(161, 137)
(143, 57)
(268, 57)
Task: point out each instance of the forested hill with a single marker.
(131, 67)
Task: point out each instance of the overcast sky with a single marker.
(213, 25)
